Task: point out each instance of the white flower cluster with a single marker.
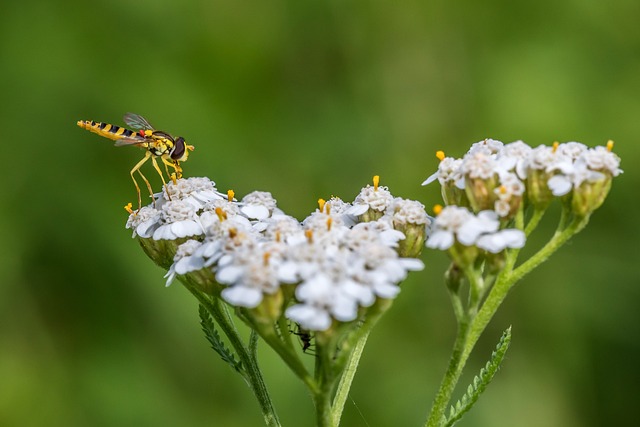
(333, 264)
(483, 231)
(506, 170)
(176, 211)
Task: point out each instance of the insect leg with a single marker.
(175, 165)
(137, 168)
(155, 165)
(171, 176)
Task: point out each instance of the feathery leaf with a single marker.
(212, 335)
(480, 381)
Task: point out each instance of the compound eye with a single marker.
(178, 148)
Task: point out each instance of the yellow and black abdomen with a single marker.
(107, 130)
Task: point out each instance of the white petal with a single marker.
(242, 296)
(255, 211)
(501, 240)
(311, 318)
(171, 274)
(362, 294)
(188, 264)
(186, 228)
(440, 239)
(288, 272)
(412, 264)
(513, 238)
(357, 210)
(559, 185)
(391, 237)
(387, 290)
(146, 228)
(229, 275)
(431, 178)
(344, 308)
(164, 233)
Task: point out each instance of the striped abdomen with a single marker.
(107, 130)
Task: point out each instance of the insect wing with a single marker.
(129, 141)
(137, 122)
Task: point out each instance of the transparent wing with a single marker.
(137, 122)
(129, 141)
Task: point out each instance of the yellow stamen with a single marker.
(278, 236)
(610, 145)
(128, 208)
(437, 209)
(440, 155)
(376, 182)
(329, 222)
(502, 189)
(230, 195)
(321, 203)
(309, 235)
(233, 232)
(222, 215)
(265, 258)
(556, 144)
(327, 208)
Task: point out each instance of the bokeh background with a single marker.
(305, 99)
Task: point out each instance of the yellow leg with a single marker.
(171, 176)
(155, 165)
(146, 181)
(137, 168)
(175, 165)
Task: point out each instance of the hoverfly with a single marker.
(160, 144)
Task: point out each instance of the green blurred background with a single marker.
(306, 100)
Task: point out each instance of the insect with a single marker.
(305, 337)
(160, 144)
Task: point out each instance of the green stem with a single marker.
(288, 355)
(326, 381)
(537, 215)
(344, 385)
(468, 335)
(450, 379)
(250, 364)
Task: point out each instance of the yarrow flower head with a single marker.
(328, 269)
(502, 177)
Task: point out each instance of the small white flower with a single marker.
(500, 240)
(446, 225)
(185, 260)
(572, 149)
(601, 159)
(249, 273)
(513, 158)
(448, 171)
(490, 146)
(179, 219)
(144, 222)
(485, 222)
(510, 187)
(371, 197)
(259, 205)
(479, 164)
(403, 211)
(456, 223)
(196, 191)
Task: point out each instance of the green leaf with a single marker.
(480, 381)
(212, 335)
